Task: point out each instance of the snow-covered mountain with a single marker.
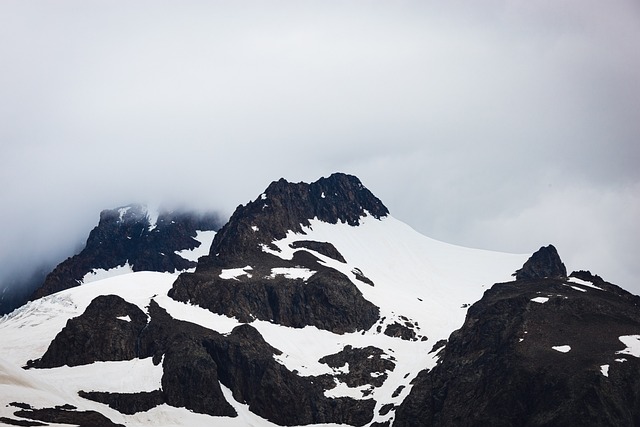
(314, 306)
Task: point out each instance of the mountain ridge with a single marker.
(320, 308)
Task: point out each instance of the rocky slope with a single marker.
(134, 236)
(543, 350)
(327, 299)
(314, 306)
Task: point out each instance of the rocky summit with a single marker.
(133, 235)
(313, 306)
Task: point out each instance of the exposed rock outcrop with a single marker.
(328, 299)
(545, 263)
(129, 235)
(108, 330)
(548, 353)
(195, 361)
(364, 366)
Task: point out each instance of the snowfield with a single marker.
(426, 281)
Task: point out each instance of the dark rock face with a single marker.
(501, 368)
(247, 367)
(545, 263)
(126, 403)
(127, 235)
(195, 361)
(323, 248)
(328, 299)
(107, 330)
(286, 206)
(60, 415)
(367, 365)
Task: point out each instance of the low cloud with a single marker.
(503, 126)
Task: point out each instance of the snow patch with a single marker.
(584, 283)
(234, 273)
(125, 318)
(100, 274)
(605, 370)
(206, 239)
(633, 345)
(122, 212)
(292, 273)
(255, 228)
(562, 348)
(152, 216)
(540, 300)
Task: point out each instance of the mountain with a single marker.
(133, 238)
(314, 306)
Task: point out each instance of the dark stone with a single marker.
(118, 239)
(126, 403)
(20, 405)
(246, 365)
(361, 277)
(363, 362)
(397, 391)
(385, 409)
(190, 375)
(499, 369)
(25, 423)
(398, 330)
(327, 300)
(64, 416)
(324, 248)
(438, 345)
(545, 263)
(286, 206)
(96, 335)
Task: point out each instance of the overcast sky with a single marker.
(503, 125)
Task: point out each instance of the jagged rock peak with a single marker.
(544, 263)
(340, 197)
(145, 238)
(286, 206)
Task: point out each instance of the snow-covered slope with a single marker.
(416, 279)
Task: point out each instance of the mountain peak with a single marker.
(286, 206)
(544, 263)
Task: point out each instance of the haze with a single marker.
(501, 125)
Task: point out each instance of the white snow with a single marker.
(122, 212)
(584, 283)
(424, 279)
(540, 300)
(127, 376)
(633, 345)
(125, 318)
(578, 289)
(152, 215)
(99, 273)
(234, 273)
(562, 348)
(414, 276)
(605, 370)
(206, 239)
(292, 273)
(255, 228)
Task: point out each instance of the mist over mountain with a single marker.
(313, 305)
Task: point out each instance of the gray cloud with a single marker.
(499, 125)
